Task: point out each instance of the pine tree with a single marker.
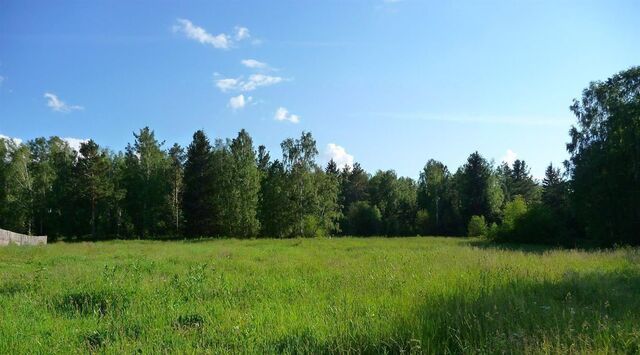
(480, 192)
(197, 199)
(554, 193)
(244, 188)
(147, 184)
(92, 179)
(274, 210)
(522, 182)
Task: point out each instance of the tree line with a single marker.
(231, 188)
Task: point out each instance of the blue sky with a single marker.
(387, 83)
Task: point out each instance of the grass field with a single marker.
(431, 295)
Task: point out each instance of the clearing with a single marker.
(370, 295)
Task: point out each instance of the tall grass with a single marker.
(375, 295)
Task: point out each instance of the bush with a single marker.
(477, 226)
(364, 219)
(539, 225)
(493, 231)
(513, 211)
(422, 222)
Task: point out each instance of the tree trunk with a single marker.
(93, 218)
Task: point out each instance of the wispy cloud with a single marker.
(242, 33)
(238, 102)
(388, 6)
(1, 80)
(228, 84)
(220, 41)
(257, 80)
(338, 154)
(58, 105)
(282, 114)
(253, 82)
(254, 64)
(518, 120)
(316, 43)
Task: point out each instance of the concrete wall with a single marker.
(7, 237)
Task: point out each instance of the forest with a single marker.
(231, 188)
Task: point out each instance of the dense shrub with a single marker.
(539, 225)
(423, 224)
(477, 226)
(513, 211)
(364, 219)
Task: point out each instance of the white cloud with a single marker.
(227, 84)
(338, 154)
(242, 33)
(220, 41)
(282, 114)
(238, 102)
(1, 79)
(74, 143)
(509, 157)
(199, 34)
(58, 105)
(254, 64)
(255, 81)
(16, 141)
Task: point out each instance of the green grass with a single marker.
(431, 295)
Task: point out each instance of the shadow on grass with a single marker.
(578, 313)
(527, 248)
(595, 313)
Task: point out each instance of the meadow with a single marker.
(358, 295)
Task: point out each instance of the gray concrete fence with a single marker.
(7, 237)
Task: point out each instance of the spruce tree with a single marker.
(197, 198)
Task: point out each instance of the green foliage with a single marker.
(232, 190)
(480, 192)
(19, 193)
(513, 211)
(298, 157)
(396, 199)
(423, 222)
(477, 227)
(274, 203)
(435, 198)
(176, 175)
(355, 186)
(198, 194)
(241, 204)
(605, 159)
(92, 178)
(147, 183)
(298, 198)
(519, 182)
(4, 169)
(364, 219)
(328, 210)
(555, 193)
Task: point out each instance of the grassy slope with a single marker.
(433, 295)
